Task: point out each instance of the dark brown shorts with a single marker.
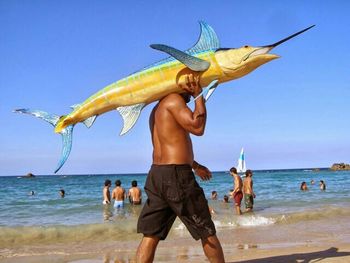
(173, 191)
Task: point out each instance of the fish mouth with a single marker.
(264, 50)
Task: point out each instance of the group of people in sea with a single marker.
(119, 194)
(304, 187)
(242, 189)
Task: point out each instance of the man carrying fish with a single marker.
(171, 186)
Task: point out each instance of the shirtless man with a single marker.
(237, 193)
(118, 194)
(135, 194)
(171, 186)
(106, 193)
(248, 191)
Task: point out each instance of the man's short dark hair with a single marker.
(248, 173)
(134, 183)
(108, 182)
(186, 96)
(118, 183)
(233, 170)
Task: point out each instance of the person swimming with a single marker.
(62, 193)
(303, 187)
(322, 185)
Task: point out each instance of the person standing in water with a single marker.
(237, 193)
(249, 194)
(118, 194)
(135, 194)
(106, 193)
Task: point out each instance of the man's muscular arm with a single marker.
(193, 122)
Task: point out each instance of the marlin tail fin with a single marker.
(66, 133)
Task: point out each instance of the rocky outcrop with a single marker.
(29, 175)
(340, 166)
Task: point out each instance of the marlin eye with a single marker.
(245, 46)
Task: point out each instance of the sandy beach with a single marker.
(308, 241)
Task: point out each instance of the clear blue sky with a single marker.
(292, 112)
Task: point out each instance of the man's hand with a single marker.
(192, 85)
(203, 172)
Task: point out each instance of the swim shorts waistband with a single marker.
(184, 166)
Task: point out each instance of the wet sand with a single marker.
(309, 241)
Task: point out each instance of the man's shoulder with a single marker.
(172, 99)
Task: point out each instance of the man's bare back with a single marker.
(248, 186)
(118, 193)
(135, 195)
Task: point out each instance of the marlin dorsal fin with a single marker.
(208, 40)
(75, 106)
(130, 115)
(196, 64)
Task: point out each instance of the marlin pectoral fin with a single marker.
(196, 64)
(208, 91)
(75, 106)
(130, 114)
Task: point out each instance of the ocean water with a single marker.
(47, 218)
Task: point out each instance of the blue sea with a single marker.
(47, 218)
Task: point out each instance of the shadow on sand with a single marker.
(300, 258)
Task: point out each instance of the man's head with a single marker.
(134, 183)
(118, 183)
(233, 170)
(249, 173)
(225, 198)
(108, 183)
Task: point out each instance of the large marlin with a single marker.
(130, 95)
